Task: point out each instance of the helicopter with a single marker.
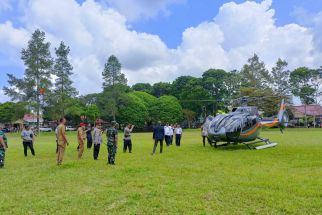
(243, 125)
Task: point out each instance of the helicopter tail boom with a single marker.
(281, 120)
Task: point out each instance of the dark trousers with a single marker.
(56, 146)
(2, 157)
(156, 144)
(178, 139)
(96, 151)
(204, 140)
(111, 149)
(89, 142)
(29, 145)
(127, 144)
(167, 139)
(171, 139)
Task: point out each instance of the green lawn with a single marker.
(186, 180)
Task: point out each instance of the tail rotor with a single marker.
(282, 117)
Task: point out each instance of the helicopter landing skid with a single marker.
(268, 144)
(216, 145)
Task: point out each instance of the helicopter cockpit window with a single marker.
(250, 122)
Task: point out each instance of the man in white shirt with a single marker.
(204, 134)
(27, 140)
(178, 132)
(167, 134)
(171, 128)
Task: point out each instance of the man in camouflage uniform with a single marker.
(112, 139)
(3, 147)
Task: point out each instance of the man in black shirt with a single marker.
(158, 136)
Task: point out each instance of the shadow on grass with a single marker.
(232, 147)
(68, 165)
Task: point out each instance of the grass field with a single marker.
(186, 180)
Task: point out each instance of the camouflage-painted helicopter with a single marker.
(243, 125)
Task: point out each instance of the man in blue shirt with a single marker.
(158, 136)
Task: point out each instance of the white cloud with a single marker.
(94, 32)
(201, 49)
(250, 28)
(12, 40)
(3, 97)
(134, 10)
(313, 22)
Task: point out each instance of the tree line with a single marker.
(47, 87)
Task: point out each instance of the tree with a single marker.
(92, 112)
(179, 84)
(306, 84)
(144, 87)
(233, 83)
(89, 98)
(167, 110)
(63, 84)
(281, 78)
(19, 110)
(189, 116)
(214, 81)
(254, 74)
(11, 112)
(6, 112)
(112, 99)
(114, 85)
(135, 112)
(161, 88)
(112, 74)
(75, 111)
(268, 102)
(149, 101)
(38, 62)
(189, 90)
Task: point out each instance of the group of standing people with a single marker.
(169, 131)
(160, 133)
(166, 133)
(84, 134)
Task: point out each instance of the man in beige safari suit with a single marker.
(81, 136)
(61, 141)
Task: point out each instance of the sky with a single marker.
(160, 40)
